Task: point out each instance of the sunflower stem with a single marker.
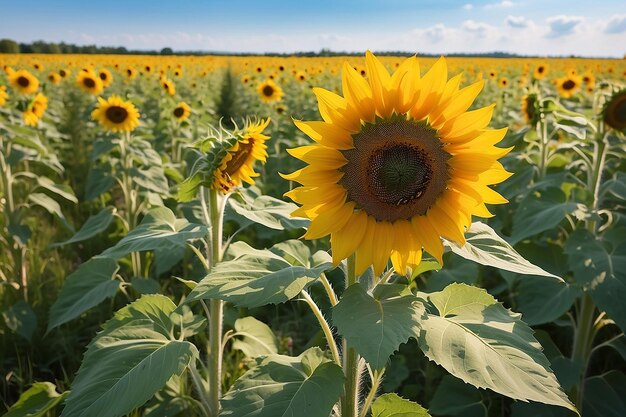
(324, 325)
(350, 399)
(130, 196)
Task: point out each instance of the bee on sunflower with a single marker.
(23, 81)
(116, 115)
(89, 82)
(398, 163)
(269, 91)
(35, 110)
(181, 112)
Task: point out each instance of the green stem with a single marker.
(324, 325)
(350, 399)
(130, 196)
(542, 132)
(376, 380)
(197, 382)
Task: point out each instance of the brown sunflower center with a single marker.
(103, 76)
(62, 73)
(23, 81)
(620, 111)
(615, 114)
(268, 91)
(240, 157)
(396, 170)
(569, 84)
(540, 70)
(89, 82)
(179, 111)
(117, 114)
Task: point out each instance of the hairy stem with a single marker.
(350, 399)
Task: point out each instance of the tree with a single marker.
(9, 46)
(167, 51)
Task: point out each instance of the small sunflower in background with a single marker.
(131, 73)
(23, 81)
(238, 162)
(615, 111)
(168, 86)
(492, 74)
(63, 73)
(269, 91)
(89, 82)
(35, 110)
(398, 163)
(503, 82)
(281, 109)
(568, 85)
(105, 76)
(301, 76)
(245, 79)
(116, 115)
(54, 78)
(182, 111)
(541, 71)
(590, 80)
(4, 96)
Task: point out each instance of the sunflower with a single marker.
(116, 115)
(568, 85)
(35, 110)
(529, 109)
(301, 76)
(503, 82)
(131, 73)
(23, 81)
(541, 71)
(63, 73)
(54, 78)
(398, 163)
(281, 108)
(615, 111)
(238, 162)
(589, 79)
(105, 77)
(168, 86)
(89, 82)
(269, 91)
(182, 111)
(4, 96)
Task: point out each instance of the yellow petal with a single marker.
(313, 176)
(330, 221)
(320, 156)
(326, 134)
(444, 225)
(404, 84)
(383, 238)
(365, 252)
(346, 240)
(465, 123)
(432, 85)
(334, 109)
(379, 81)
(358, 93)
(461, 101)
(429, 237)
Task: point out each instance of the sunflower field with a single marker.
(311, 237)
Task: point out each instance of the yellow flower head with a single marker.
(105, 76)
(23, 81)
(35, 110)
(54, 78)
(269, 91)
(398, 163)
(182, 111)
(4, 96)
(568, 85)
(541, 71)
(116, 115)
(168, 86)
(89, 82)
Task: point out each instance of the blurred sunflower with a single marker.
(4, 96)
(301, 76)
(89, 82)
(503, 82)
(105, 76)
(116, 115)
(182, 111)
(130, 73)
(168, 86)
(54, 78)
(398, 163)
(541, 71)
(281, 109)
(529, 109)
(568, 85)
(615, 111)
(35, 110)
(269, 91)
(63, 73)
(23, 81)
(238, 162)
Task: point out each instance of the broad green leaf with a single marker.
(83, 289)
(376, 324)
(265, 210)
(256, 338)
(456, 398)
(616, 185)
(258, 277)
(284, 386)
(391, 405)
(605, 395)
(152, 179)
(520, 409)
(51, 206)
(36, 401)
(99, 181)
(95, 224)
(479, 341)
(599, 264)
(542, 301)
(484, 246)
(540, 211)
(129, 361)
(62, 190)
(145, 285)
(159, 230)
(21, 319)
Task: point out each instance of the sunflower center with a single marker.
(568, 85)
(179, 111)
(268, 90)
(620, 112)
(240, 157)
(116, 114)
(396, 170)
(540, 70)
(103, 76)
(23, 81)
(89, 83)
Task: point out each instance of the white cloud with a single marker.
(563, 25)
(517, 21)
(616, 24)
(434, 33)
(504, 4)
(480, 29)
(468, 6)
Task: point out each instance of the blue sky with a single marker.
(552, 27)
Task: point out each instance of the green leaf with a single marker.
(375, 325)
(152, 179)
(265, 210)
(85, 288)
(600, 266)
(94, 225)
(145, 285)
(36, 401)
(484, 246)
(99, 181)
(257, 339)
(479, 341)
(129, 361)
(542, 301)
(605, 395)
(456, 398)
(51, 206)
(282, 386)
(258, 277)
(21, 319)
(391, 405)
(540, 211)
(159, 230)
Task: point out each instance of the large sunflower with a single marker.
(615, 111)
(116, 115)
(35, 110)
(398, 163)
(23, 81)
(269, 91)
(89, 82)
